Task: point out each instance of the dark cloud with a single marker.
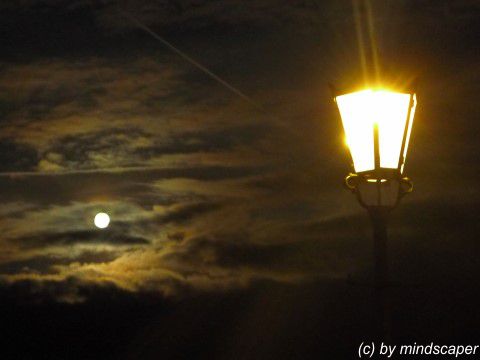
(187, 212)
(130, 147)
(62, 189)
(80, 237)
(307, 258)
(176, 236)
(107, 148)
(208, 141)
(176, 213)
(71, 290)
(43, 264)
(17, 157)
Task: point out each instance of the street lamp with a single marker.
(377, 123)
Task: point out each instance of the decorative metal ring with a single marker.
(408, 183)
(351, 182)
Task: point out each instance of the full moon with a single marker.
(101, 220)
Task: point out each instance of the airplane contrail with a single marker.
(189, 59)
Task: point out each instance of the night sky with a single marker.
(231, 235)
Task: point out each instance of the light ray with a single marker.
(361, 43)
(373, 40)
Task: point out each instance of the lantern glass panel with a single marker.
(360, 112)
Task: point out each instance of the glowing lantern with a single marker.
(377, 125)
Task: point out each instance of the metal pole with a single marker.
(379, 218)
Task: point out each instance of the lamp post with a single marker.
(377, 125)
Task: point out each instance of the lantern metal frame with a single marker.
(380, 177)
(355, 182)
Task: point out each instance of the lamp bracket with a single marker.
(378, 193)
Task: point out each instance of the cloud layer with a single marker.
(205, 191)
